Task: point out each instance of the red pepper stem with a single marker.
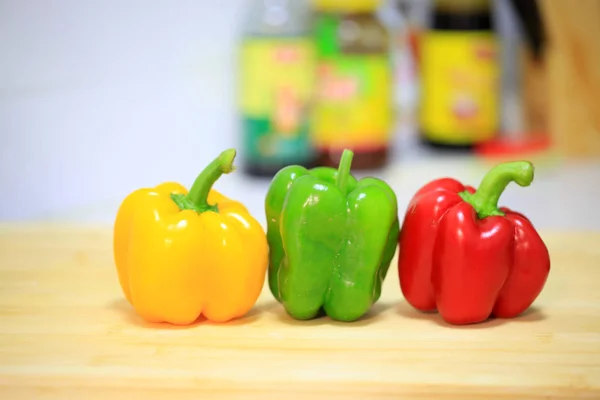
(344, 167)
(198, 194)
(485, 199)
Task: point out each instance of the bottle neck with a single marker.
(462, 15)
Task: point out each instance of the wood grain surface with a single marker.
(67, 333)
(573, 75)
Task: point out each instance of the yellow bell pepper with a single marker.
(181, 255)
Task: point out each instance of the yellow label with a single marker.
(277, 75)
(353, 102)
(460, 90)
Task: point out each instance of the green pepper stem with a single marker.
(198, 194)
(343, 174)
(493, 184)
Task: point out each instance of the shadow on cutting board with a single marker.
(369, 318)
(532, 314)
(126, 311)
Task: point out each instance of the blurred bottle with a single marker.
(276, 82)
(459, 75)
(354, 93)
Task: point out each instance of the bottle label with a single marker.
(276, 83)
(353, 99)
(459, 87)
(353, 102)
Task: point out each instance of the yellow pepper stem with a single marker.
(197, 198)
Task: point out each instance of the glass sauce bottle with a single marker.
(353, 98)
(459, 75)
(276, 79)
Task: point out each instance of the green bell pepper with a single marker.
(331, 240)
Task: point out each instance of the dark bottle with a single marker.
(459, 75)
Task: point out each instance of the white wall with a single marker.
(99, 97)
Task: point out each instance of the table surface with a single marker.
(67, 332)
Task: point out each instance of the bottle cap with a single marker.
(462, 5)
(346, 5)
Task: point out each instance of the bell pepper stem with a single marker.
(197, 197)
(344, 167)
(493, 184)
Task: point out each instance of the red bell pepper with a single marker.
(462, 255)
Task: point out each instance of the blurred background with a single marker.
(98, 98)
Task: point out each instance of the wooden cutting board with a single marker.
(67, 333)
